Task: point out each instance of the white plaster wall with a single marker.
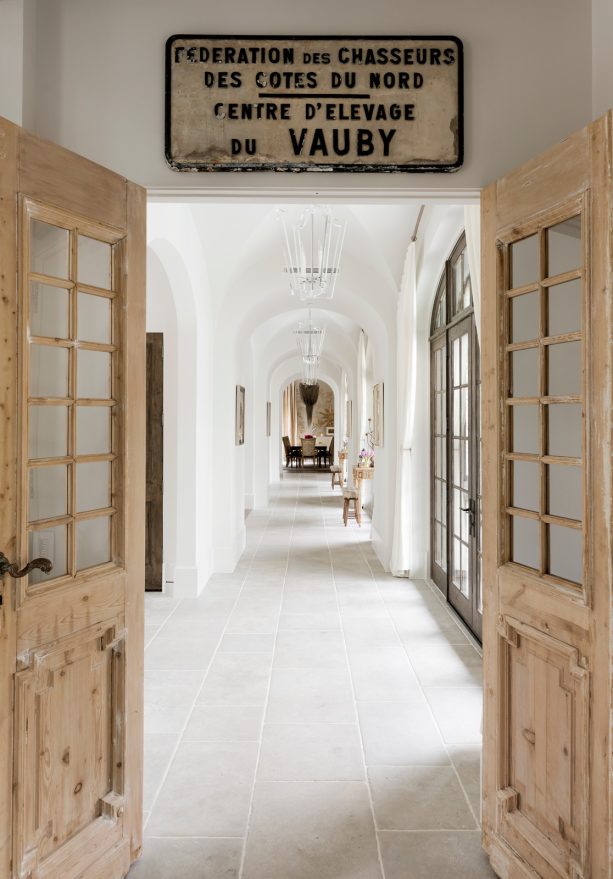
(602, 57)
(99, 76)
(439, 232)
(180, 305)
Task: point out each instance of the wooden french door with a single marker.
(547, 367)
(455, 434)
(72, 254)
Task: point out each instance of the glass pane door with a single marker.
(462, 497)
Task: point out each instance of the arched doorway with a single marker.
(455, 529)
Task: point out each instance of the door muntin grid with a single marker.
(70, 393)
(544, 385)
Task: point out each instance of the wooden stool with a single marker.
(351, 494)
(337, 477)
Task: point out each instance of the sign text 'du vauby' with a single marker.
(314, 103)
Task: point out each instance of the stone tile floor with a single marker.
(309, 716)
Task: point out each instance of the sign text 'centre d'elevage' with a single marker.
(314, 103)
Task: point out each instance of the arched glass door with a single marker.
(455, 435)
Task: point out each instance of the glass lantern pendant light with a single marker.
(309, 339)
(313, 240)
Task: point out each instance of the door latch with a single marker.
(44, 565)
(471, 509)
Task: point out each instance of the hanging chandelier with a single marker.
(309, 339)
(313, 240)
(309, 372)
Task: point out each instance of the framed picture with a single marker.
(239, 438)
(348, 418)
(268, 418)
(329, 431)
(377, 412)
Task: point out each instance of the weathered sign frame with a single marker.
(314, 166)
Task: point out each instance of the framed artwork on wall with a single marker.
(329, 431)
(239, 438)
(348, 418)
(268, 417)
(377, 412)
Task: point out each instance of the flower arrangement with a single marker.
(366, 458)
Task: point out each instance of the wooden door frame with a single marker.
(50, 175)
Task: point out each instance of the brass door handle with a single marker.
(44, 565)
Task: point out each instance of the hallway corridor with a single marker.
(309, 716)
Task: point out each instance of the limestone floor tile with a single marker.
(150, 633)
(328, 620)
(247, 624)
(322, 830)
(467, 761)
(419, 798)
(247, 644)
(310, 695)
(425, 626)
(216, 723)
(188, 859)
(157, 753)
(207, 791)
(194, 652)
(169, 696)
(446, 665)
(311, 752)
(434, 855)
(236, 679)
(400, 734)
(310, 649)
(309, 602)
(458, 712)
(379, 678)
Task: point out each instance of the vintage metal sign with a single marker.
(314, 103)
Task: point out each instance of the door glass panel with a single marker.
(48, 492)
(458, 291)
(48, 543)
(48, 371)
(525, 317)
(566, 553)
(565, 491)
(93, 430)
(93, 486)
(525, 373)
(49, 311)
(48, 432)
(564, 246)
(564, 308)
(525, 541)
(93, 542)
(565, 429)
(564, 373)
(525, 261)
(464, 361)
(94, 261)
(526, 485)
(455, 350)
(94, 318)
(93, 374)
(49, 249)
(525, 429)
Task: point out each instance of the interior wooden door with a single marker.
(547, 504)
(72, 361)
